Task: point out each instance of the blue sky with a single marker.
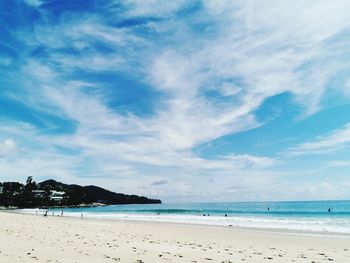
(179, 100)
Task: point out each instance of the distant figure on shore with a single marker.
(158, 214)
(203, 214)
(45, 215)
(329, 210)
(81, 216)
(36, 212)
(53, 213)
(225, 215)
(62, 213)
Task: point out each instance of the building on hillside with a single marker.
(56, 195)
(38, 193)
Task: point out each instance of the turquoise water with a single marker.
(276, 209)
(301, 216)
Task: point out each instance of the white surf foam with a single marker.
(333, 225)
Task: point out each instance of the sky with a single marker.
(185, 101)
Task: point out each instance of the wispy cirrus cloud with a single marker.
(33, 2)
(203, 67)
(335, 141)
(160, 182)
(7, 147)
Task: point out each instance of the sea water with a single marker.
(311, 216)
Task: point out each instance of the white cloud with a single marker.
(7, 147)
(332, 142)
(339, 163)
(153, 7)
(347, 88)
(247, 52)
(34, 3)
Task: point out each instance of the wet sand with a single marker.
(30, 238)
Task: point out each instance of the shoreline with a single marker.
(181, 224)
(201, 224)
(64, 239)
(193, 225)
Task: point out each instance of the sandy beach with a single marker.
(30, 238)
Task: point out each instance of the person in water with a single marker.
(329, 210)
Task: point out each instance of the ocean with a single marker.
(310, 216)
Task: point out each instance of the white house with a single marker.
(56, 195)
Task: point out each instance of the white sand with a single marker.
(30, 238)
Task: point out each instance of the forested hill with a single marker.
(52, 193)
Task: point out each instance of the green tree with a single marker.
(28, 195)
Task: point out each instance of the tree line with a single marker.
(33, 195)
